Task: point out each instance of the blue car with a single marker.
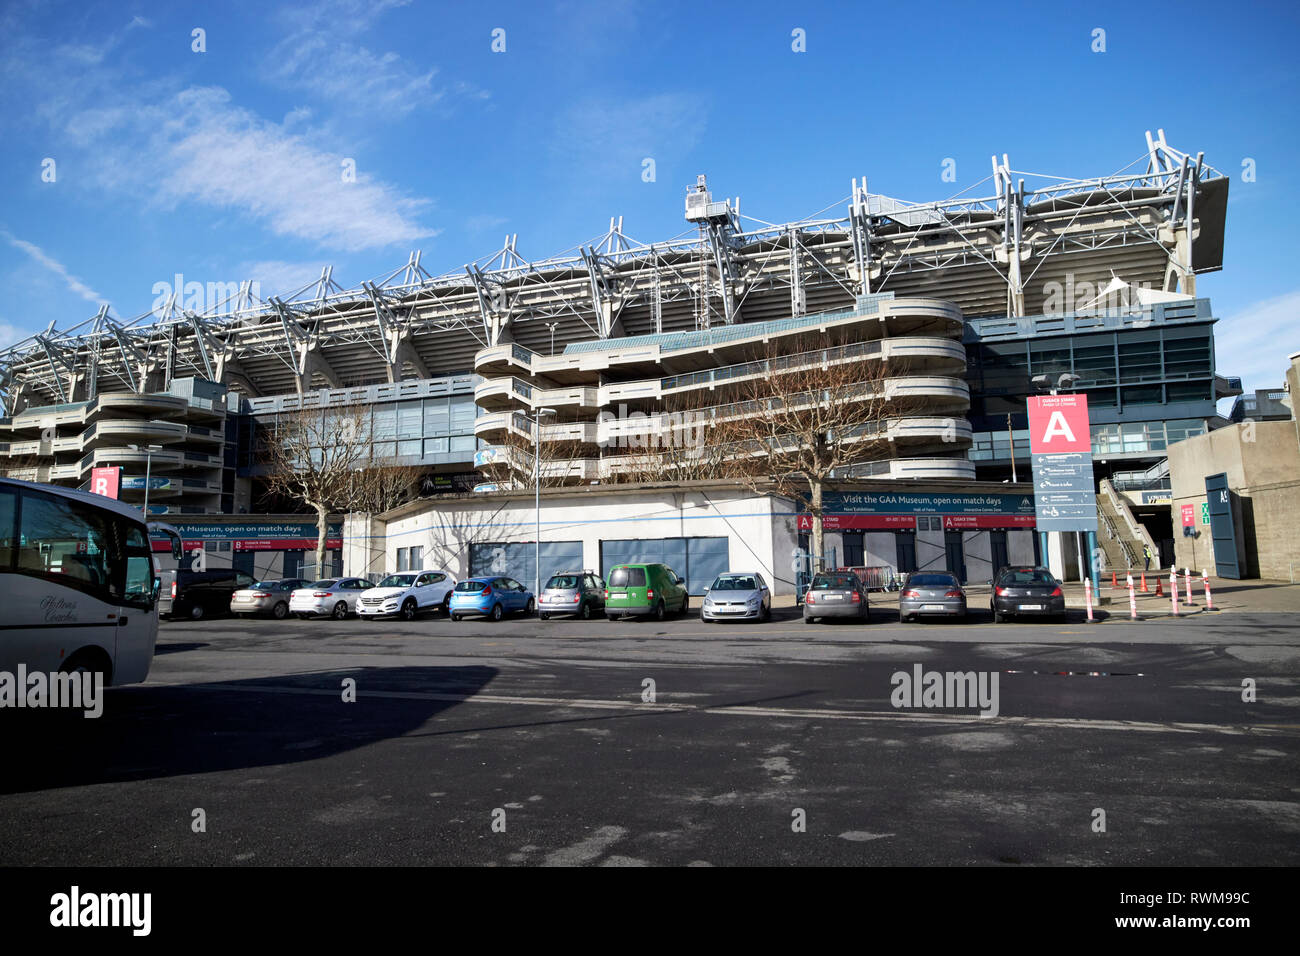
(490, 597)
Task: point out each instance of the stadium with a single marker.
(966, 301)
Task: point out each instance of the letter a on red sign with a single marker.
(1058, 423)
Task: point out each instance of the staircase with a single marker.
(1120, 535)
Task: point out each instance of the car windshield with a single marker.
(267, 585)
(323, 585)
(397, 581)
(734, 584)
(931, 581)
(627, 578)
(471, 585)
(563, 582)
(834, 582)
(1026, 577)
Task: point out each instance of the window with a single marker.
(417, 558)
(463, 443)
(403, 560)
(463, 413)
(437, 416)
(8, 540)
(409, 420)
(409, 448)
(68, 543)
(435, 446)
(138, 591)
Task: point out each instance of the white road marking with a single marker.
(814, 713)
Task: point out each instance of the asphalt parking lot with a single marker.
(680, 743)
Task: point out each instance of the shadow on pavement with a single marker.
(162, 731)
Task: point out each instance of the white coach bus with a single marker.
(78, 589)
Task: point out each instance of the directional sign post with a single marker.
(1060, 447)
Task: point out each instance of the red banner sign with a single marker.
(106, 481)
(1058, 423)
(908, 522)
(1189, 516)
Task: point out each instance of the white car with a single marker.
(330, 597)
(407, 594)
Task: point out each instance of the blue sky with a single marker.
(226, 164)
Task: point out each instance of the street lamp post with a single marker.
(552, 326)
(148, 458)
(538, 415)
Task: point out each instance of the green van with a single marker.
(639, 589)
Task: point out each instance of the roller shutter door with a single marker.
(516, 559)
(698, 560)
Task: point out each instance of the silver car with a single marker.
(266, 597)
(331, 597)
(737, 596)
(572, 592)
(835, 594)
(926, 594)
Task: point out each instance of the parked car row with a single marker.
(633, 590)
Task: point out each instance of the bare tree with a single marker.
(326, 459)
(799, 418)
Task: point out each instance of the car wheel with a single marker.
(280, 611)
(903, 619)
(340, 611)
(544, 616)
(767, 612)
(532, 605)
(455, 617)
(998, 617)
(584, 610)
(196, 612)
(809, 620)
(686, 603)
(446, 604)
(497, 612)
(659, 611)
(409, 609)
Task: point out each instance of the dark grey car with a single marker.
(835, 594)
(1027, 592)
(927, 594)
(572, 592)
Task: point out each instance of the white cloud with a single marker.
(198, 147)
(52, 264)
(1254, 342)
(10, 334)
(319, 54)
(612, 137)
(279, 278)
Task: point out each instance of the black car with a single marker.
(200, 594)
(1027, 592)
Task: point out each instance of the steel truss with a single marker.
(991, 254)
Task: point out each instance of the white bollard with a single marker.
(1205, 579)
(1173, 589)
(1087, 596)
(1132, 601)
(1187, 586)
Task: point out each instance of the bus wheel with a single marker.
(89, 661)
(196, 612)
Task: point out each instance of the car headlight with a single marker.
(752, 602)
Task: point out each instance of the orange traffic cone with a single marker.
(1113, 581)
(1160, 587)
(1144, 583)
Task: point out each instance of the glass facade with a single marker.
(415, 431)
(1122, 438)
(1124, 369)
